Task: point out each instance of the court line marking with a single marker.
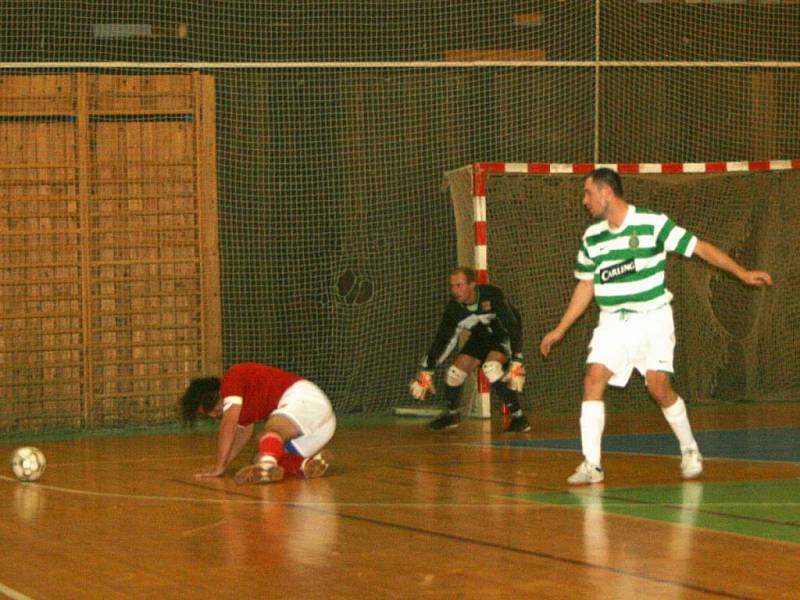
(539, 554)
(203, 528)
(12, 593)
(510, 502)
(55, 488)
(464, 444)
(251, 500)
(511, 445)
(492, 443)
(210, 456)
(505, 547)
(629, 502)
(317, 507)
(597, 502)
(78, 463)
(698, 432)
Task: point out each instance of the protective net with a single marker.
(733, 342)
(333, 123)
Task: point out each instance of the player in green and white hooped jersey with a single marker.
(621, 265)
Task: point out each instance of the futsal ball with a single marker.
(28, 463)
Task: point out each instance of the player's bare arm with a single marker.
(225, 439)
(240, 439)
(582, 297)
(718, 258)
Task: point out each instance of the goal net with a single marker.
(734, 342)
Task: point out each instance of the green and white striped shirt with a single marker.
(628, 264)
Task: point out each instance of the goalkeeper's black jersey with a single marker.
(491, 314)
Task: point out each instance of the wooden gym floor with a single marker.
(410, 513)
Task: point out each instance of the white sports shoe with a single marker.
(691, 463)
(317, 465)
(264, 470)
(586, 473)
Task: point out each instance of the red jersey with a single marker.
(260, 388)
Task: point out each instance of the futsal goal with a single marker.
(519, 226)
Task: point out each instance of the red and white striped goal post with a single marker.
(481, 170)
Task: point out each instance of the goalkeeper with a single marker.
(495, 343)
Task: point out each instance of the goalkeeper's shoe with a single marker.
(447, 420)
(518, 424)
(317, 465)
(265, 470)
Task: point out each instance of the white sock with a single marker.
(593, 421)
(678, 419)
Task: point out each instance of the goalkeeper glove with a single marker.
(515, 376)
(420, 386)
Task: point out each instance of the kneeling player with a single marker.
(299, 421)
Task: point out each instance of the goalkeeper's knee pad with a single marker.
(455, 376)
(493, 370)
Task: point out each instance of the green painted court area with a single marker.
(765, 509)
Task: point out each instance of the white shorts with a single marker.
(624, 341)
(309, 408)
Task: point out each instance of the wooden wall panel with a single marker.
(107, 286)
(40, 310)
(38, 95)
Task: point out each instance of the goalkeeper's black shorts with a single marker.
(481, 342)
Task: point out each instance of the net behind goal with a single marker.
(733, 342)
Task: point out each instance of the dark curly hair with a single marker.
(203, 391)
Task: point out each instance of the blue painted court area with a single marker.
(768, 443)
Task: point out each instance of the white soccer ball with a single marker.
(28, 463)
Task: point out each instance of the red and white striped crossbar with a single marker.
(481, 170)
